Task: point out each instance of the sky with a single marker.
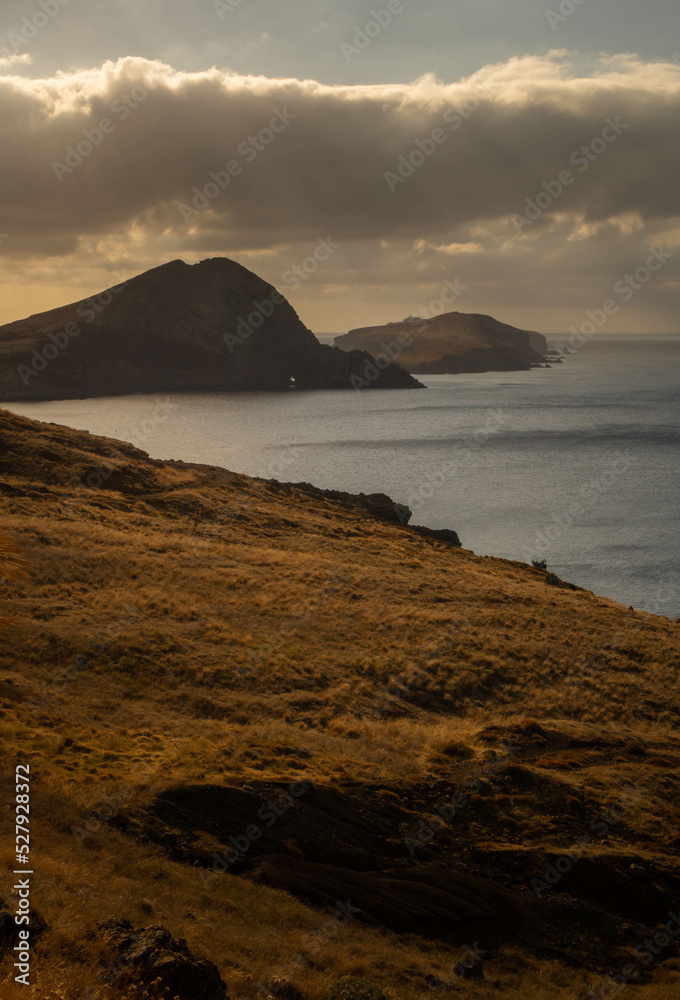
(522, 152)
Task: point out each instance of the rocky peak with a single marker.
(179, 327)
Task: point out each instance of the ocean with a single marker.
(576, 464)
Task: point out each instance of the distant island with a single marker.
(451, 344)
(179, 327)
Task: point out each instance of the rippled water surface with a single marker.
(577, 464)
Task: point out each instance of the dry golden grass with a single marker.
(191, 625)
(13, 566)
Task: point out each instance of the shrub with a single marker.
(354, 988)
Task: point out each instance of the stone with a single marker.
(152, 959)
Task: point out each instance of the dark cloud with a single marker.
(90, 152)
(162, 163)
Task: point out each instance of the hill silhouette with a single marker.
(178, 327)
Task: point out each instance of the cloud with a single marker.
(12, 59)
(107, 158)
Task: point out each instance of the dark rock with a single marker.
(351, 853)
(178, 327)
(151, 958)
(430, 901)
(283, 989)
(444, 535)
(377, 505)
(327, 846)
(9, 931)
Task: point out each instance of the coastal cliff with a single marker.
(451, 344)
(179, 327)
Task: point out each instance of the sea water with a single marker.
(577, 464)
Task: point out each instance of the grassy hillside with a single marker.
(422, 739)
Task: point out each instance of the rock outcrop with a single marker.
(377, 505)
(179, 327)
(444, 535)
(450, 344)
(151, 959)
